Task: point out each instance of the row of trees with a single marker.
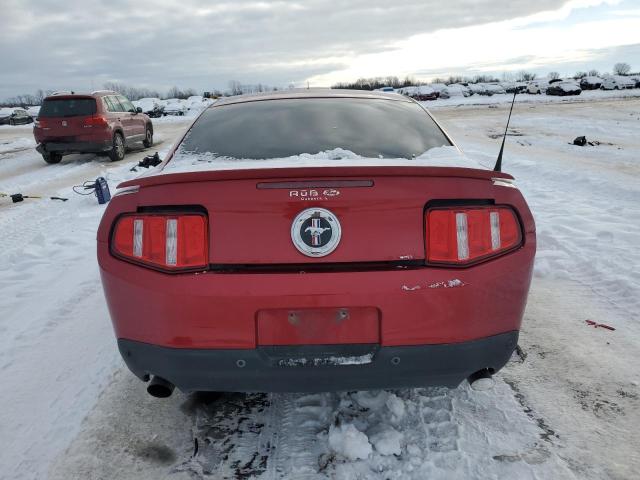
(132, 93)
(136, 93)
(237, 88)
(26, 99)
(522, 76)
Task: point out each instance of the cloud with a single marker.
(81, 44)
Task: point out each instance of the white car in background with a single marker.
(494, 89)
(438, 87)
(150, 106)
(176, 106)
(537, 87)
(478, 88)
(455, 90)
(617, 82)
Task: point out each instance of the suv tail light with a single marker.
(464, 235)
(165, 241)
(95, 121)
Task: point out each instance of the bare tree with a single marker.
(39, 96)
(525, 76)
(579, 75)
(235, 87)
(594, 73)
(554, 75)
(508, 76)
(621, 68)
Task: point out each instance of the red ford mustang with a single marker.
(316, 241)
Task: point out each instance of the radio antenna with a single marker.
(498, 166)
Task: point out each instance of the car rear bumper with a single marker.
(318, 368)
(74, 147)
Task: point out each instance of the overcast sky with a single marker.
(81, 44)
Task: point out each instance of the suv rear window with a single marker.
(283, 128)
(68, 107)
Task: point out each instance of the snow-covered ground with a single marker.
(565, 407)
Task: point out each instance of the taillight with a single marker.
(463, 235)
(165, 241)
(95, 121)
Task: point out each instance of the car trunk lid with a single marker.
(251, 212)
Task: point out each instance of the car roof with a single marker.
(311, 93)
(95, 94)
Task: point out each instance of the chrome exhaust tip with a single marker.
(482, 380)
(158, 387)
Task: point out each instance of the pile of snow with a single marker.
(446, 156)
(348, 441)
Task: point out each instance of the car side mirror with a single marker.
(138, 109)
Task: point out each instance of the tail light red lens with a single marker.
(463, 235)
(166, 241)
(96, 121)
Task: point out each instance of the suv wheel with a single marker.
(117, 151)
(52, 157)
(148, 137)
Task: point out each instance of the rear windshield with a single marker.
(68, 107)
(283, 128)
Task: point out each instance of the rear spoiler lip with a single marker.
(313, 172)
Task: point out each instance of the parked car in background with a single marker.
(93, 123)
(564, 87)
(421, 92)
(590, 83)
(636, 79)
(385, 89)
(617, 82)
(511, 87)
(435, 298)
(14, 116)
(150, 106)
(479, 89)
(33, 111)
(537, 87)
(438, 87)
(176, 106)
(455, 90)
(495, 89)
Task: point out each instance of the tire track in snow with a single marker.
(441, 433)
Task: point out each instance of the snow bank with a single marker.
(446, 156)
